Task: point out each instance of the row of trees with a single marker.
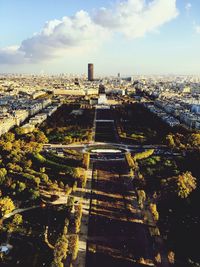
(182, 185)
(68, 243)
(61, 247)
(132, 160)
(81, 177)
(153, 209)
(144, 155)
(86, 160)
(77, 217)
(66, 127)
(181, 141)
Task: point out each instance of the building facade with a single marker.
(90, 72)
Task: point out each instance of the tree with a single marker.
(14, 167)
(17, 145)
(32, 147)
(67, 139)
(131, 162)
(144, 155)
(19, 131)
(61, 248)
(86, 160)
(89, 136)
(78, 217)
(42, 169)
(6, 205)
(170, 141)
(3, 173)
(81, 176)
(40, 137)
(27, 163)
(61, 184)
(44, 177)
(22, 186)
(131, 173)
(194, 140)
(7, 146)
(74, 246)
(57, 264)
(9, 137)
(35, 194)
(37, 181)
(17, 220)
(154, 211)
(186, 184)
(141, 198)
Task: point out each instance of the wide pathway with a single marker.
(117, 236)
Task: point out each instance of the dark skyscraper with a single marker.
(90, 72)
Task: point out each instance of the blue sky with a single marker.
(127, 36)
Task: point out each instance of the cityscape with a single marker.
(99, 161)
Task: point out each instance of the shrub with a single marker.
(130, 160)
(74, 246)
(186, 184)
(86, 160)
(6, 205)
(144, 155)
(141, 197)
(154, 211)
(61, 248)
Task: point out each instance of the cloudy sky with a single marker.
(126, 36)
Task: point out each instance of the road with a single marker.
(134, 149)
(99, 144)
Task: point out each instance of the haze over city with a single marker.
(133, 37)
(99, 133)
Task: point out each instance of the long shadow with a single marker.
(105, 131)
(114, 238)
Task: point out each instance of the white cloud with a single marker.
(132, 18)
(11, 55)
(57, 36)
(70, 34)
(197, 29)
(188, 6)
(135, 18)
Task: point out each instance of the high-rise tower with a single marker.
(90, 72)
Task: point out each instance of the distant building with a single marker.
(72, 92)
(195, 109)
(102, 89)
(102, 100)
(76, 81)
(28, 128)
(90, 72)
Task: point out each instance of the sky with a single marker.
(127, 36)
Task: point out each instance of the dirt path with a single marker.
(84, 196)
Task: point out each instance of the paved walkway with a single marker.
(81, 259)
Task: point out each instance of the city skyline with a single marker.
(130, 37)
